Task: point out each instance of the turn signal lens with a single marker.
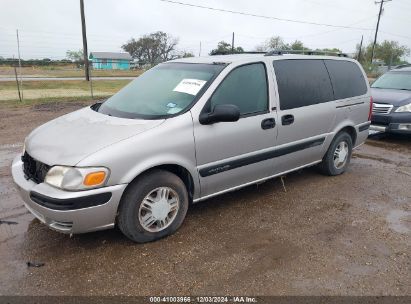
(94, 178)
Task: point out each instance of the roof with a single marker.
(110, 55)
(244, 58)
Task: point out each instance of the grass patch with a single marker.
(35, 92)
(104, 85)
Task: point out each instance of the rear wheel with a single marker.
(153, 206)
(338, 156)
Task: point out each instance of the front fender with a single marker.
(171, 143)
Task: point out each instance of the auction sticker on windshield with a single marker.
(190, 86)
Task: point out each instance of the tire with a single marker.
(328, 165)
(146, 202)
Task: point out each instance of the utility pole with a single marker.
(359, 51)
(17, 81)
(85, 51)
(232, 44)
(381, 2)
(199, 52)
(18, 51)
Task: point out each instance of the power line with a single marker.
(335, 30)
(333, 6)
(391, 34)
(263, 16)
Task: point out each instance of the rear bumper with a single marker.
(66, 211)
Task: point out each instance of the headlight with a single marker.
(405, 108)
(72, 178)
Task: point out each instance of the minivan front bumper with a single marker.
(68, 211)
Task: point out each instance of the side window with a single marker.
(302, 83)
(347, 78)
(245, 87)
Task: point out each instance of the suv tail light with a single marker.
(370, 112)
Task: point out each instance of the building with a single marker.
(110, 61)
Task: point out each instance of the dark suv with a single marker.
(392, 101)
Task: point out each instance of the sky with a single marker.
(48, 28)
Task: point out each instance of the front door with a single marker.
(231, 154)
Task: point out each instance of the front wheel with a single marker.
(338, 155)
(153, 206)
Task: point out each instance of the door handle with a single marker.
(268, 123)
(287, 119)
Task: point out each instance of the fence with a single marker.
(37, 81)
(44, 81)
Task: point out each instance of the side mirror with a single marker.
(220, 113)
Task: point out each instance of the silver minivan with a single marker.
(188, 130)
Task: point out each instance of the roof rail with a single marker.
(406, 65)
(235, 52)
(304, 52)
(282, 52)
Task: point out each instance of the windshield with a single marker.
(394, 80)
(164, 90)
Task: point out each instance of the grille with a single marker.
(380, 108)
(33, 169)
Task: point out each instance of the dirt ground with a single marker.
(345, 235)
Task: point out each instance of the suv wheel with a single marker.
(153, 206)
(338, 156)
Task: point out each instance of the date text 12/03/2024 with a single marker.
(203, 299)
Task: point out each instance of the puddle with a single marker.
(7, 154)
(392, 161)
(399, 221)
(390, 141)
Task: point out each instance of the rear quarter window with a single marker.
(302, 82)
(347, 78)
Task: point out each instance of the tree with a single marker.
(277, 43)
(388, 51)
(186, 54)
(298, 46)
(273, 43)
(225, 48)
(329, 51)
(152, 48)
(75, 55)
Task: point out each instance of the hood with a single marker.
(395, 97)
(70, 138)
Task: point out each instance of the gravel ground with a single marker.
(345, 235)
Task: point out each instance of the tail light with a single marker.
(370, 112)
